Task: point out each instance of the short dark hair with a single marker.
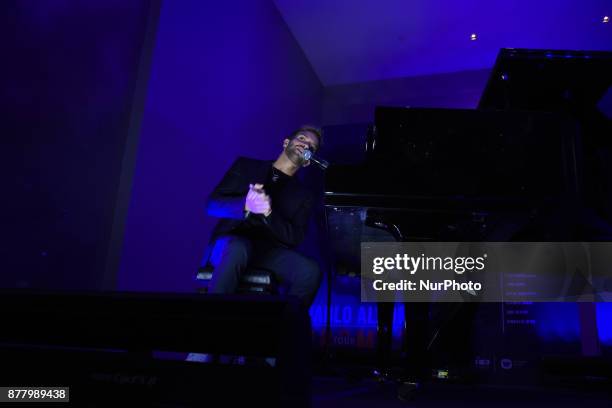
(309, 128)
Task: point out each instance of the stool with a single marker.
(253, 280)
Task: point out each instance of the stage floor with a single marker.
(332, 392)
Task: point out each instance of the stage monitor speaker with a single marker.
(101, 345)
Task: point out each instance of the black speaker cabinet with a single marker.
(101, 345)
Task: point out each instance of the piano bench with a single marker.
(253, 280)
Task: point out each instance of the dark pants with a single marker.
(231, 254)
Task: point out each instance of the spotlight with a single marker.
(473, 37)
(606, 19)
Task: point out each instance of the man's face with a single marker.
(294, 149)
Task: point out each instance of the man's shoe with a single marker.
(200, 358)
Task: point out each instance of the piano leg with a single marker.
(417, 364)
(384, 333)
(450, 344)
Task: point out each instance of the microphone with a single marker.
(308, 155)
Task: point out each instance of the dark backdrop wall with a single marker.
(67, 88)
(227, 79)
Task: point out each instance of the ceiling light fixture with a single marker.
(606, 19)
(473, 37)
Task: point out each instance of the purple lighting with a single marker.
(358, 41)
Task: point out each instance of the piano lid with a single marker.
(459, 155)
(548, 80)
(576, 83)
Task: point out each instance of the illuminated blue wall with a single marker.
(604, 323)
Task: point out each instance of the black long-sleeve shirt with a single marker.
(291, 204)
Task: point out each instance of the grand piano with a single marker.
(525, 166)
